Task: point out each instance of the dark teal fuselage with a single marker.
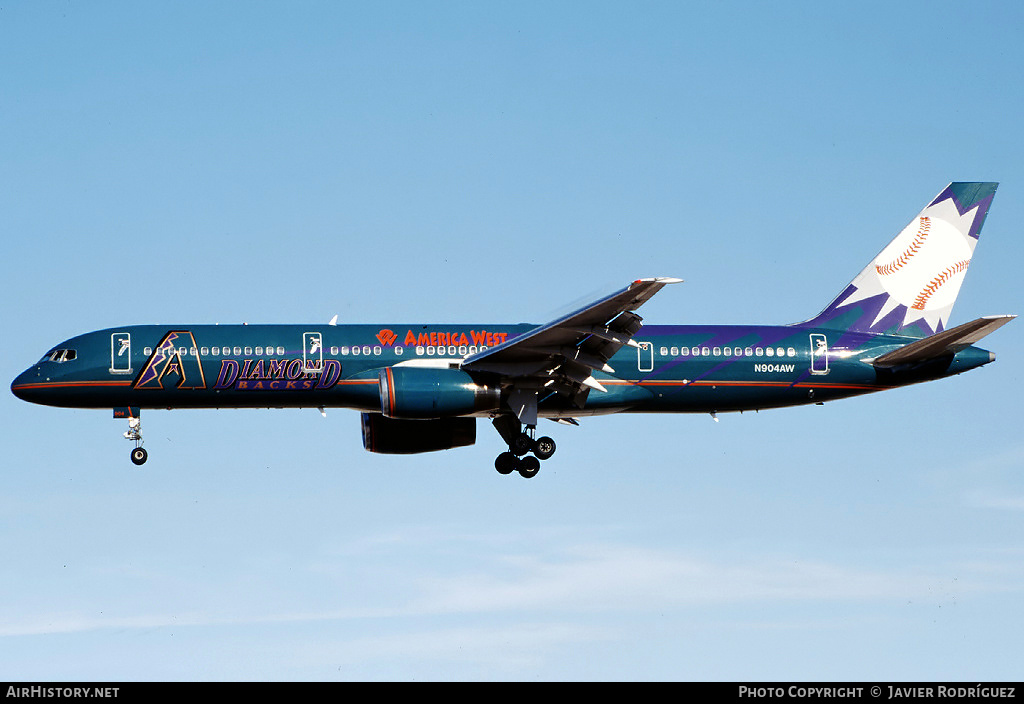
(677, 368)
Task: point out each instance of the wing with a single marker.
(561, 356)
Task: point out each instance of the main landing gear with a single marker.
(520, 444)
(139, 454)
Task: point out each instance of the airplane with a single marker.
(421, 387)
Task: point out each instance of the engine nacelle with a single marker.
(430, 392)
(393, 436)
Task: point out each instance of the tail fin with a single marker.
(910, 287)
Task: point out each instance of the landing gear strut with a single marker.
(520, 444)
(139, 454)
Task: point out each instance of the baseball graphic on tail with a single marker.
(923, 267)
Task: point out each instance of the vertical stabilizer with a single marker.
(910, 287)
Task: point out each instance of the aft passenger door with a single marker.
(819, 354)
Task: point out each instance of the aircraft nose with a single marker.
(24, 385)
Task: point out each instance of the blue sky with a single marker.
(484, 162)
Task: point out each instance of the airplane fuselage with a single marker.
(675, 368)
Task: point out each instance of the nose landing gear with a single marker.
(139, 454)
(520, 444)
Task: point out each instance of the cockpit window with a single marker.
(59, 356)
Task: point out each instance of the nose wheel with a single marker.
(520, 444)
(139, 454)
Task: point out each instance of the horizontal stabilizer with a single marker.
(947, 342)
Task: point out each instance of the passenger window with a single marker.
(259, 351)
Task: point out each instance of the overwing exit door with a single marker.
(645, 357)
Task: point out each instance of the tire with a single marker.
(506, 463)
(139, 455)
(521, 444)
(528, 467)
(544, 448)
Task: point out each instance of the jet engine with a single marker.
(394, 436)
(430, 392)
